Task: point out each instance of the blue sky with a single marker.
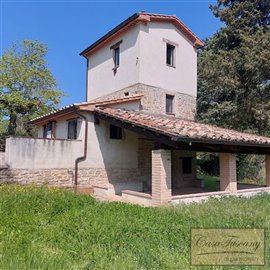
(68, 27)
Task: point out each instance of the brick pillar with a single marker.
(228, 179)
(267, 170)
(161, 177)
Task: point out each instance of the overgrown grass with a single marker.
(44, 228)
(210, 182)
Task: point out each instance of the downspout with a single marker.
(82, 158)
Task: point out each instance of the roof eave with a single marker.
(110, 33)
(142, 17)
(53, 116)
(179, 139)
(219, 142)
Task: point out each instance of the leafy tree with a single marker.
(234, 74)
(234, 67)
(27, 86)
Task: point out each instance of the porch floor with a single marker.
(194, 190)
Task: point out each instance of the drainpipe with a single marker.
(82, 158)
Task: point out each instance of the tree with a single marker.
(234, 74)
(234, 68)
(27, 87)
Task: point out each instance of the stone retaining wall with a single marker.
(65, 177)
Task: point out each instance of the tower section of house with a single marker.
(149, 54)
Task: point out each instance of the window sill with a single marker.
(169, 113)
(115, 69)
(171, 66)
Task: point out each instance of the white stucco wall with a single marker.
(101, 77)
(143, 60)
(29, 153)
(102, 152)
(62, 128)
(40, 132)
(153, 68)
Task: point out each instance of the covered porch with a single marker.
(173, 142)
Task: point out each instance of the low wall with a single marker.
(65, 177)
(135, 197)
(252, 191)
(31, 153)
(197, 197)
(52, 162)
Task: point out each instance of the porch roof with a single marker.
(185, 134)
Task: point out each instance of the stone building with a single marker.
(135, 137)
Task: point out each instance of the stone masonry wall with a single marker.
(154, 100)
(65, 177)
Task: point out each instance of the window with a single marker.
(169, 104)
(116, 54)
(115, 132)
(72, 129)
(49, 130)
(170, 55)
(116, 57)
(187, 165)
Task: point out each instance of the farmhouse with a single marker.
(135, 138)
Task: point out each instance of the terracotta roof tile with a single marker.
(102, 102)
(182, 129)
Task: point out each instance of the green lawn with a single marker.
(44, 228)
(210, 182)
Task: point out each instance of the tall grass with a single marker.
(43, 228)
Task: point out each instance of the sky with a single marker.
(68, 27)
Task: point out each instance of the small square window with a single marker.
(170, 55)
(115, 132)
(169, 103)
(72, 129)
(187, 165)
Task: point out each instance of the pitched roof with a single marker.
(184, 130)
(84, 106)
(144, 18)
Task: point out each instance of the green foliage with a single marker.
(27, 87)
(208, 163)
(43, 228)
(250, 167)
(234, 69)
(210, 182)
(234, 75)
